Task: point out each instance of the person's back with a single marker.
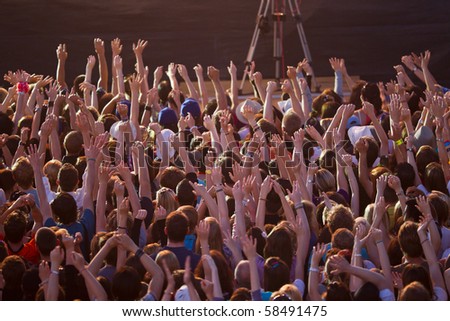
(177, 225)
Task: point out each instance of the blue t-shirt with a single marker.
(85, 225)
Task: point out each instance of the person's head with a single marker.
(15, 226)
(276, 274)
(411, 212)
(340, 217)
(325, 181)
(291, 123)
(7, 181)
(45, 241)
(192, 216)
(279, 244)
(242, 275)
(327, 160)
(367, 292)
(409, 240)
(439, 201)
(23, 173)
(64, 208)
(51, 170)
(13, 268)
(215, 238)
(191, 106)
(414, 291)
(241, 294)
(6, 124)
(371, 93)
(177, 226)
(164, 90)
(126, 284)
(68, 178)
(329, 109)
(291, 291)
(73, 143)
(434, 178)
(424, 156)
(372, 152)
(223, 269)
(167, 118)
(337, 291)
(342, 239)
(166, 198)
(170, 258)
(405, 172)
(417, 273)
(171, 177)
(185, 193)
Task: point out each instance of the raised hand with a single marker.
(116, 47)
(249, 247)
(272, 86)
(160, 213)
(56, 257)
(216, 175)
(213, 73)
(203, 230)
(90, 62)
(266, 187)
(318, 252)
(99, 46)
(295, 195)
(117, 62)
(139, 47)
(335, 64)
(61, 52)
(171, 70)
(232, 69)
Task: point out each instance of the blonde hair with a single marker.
(292, 291)
(170, 258)
(325, 181)
(167, 198)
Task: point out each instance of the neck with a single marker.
(15, 246)
(174, 244)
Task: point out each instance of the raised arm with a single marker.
(61, 54)
(214, 75)
(182, 70)
(201, 86)
(116, 49)
(95, 290)
(318, 252)
(234, 90)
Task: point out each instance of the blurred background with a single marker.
(371, 35)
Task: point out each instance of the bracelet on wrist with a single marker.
(298, 206)
(92, 159)
(410, 150)
(139, 253)
(421, 242)
(54, 272)
(314, 270)
(358, 255)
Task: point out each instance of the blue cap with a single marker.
(167, 116)
(190, 106)
(353, 121)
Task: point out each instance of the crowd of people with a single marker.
(131, 189)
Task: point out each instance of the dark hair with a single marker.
(415, 272)
(409, 240)
(414, 291)
(73, 142)
(279, 244)
(367, 292)
(185, 193)
(342, 239)
(337, 291)
(434, 179)
(177, 225)
(371, 93)
(64, 208)
(440, 206)
(45, 240)
(405, 172)
(424, 156)
(15, 226)
(68, 177)
(223, 269)
(126, 284)
(13, 268)
(6, 124)
(340, 216)
(241, 294)
(171, 176)
(276, 274)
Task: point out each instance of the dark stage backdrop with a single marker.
(371, 35)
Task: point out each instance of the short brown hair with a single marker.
(171, 176)
(291, 122)
(342, 239)
(51, 170)
(177, 225)
(23, 172)
(409, 240)
(73, 142)
(340, 217)
(68, 177)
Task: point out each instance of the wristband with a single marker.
(121, 228)
(446, 143)
(256, 128)
(410, 150)
(314, 270)
(192, 128)
(399, 193)
(219, 190)
(358, 255)
(262, 199)
(22, 87)
(424, 241)
(399, 142)
(298, 206)
(414, 69)
(54, 272)
(139, 253)
(92, 159)
(378, 242)
(208, 172)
